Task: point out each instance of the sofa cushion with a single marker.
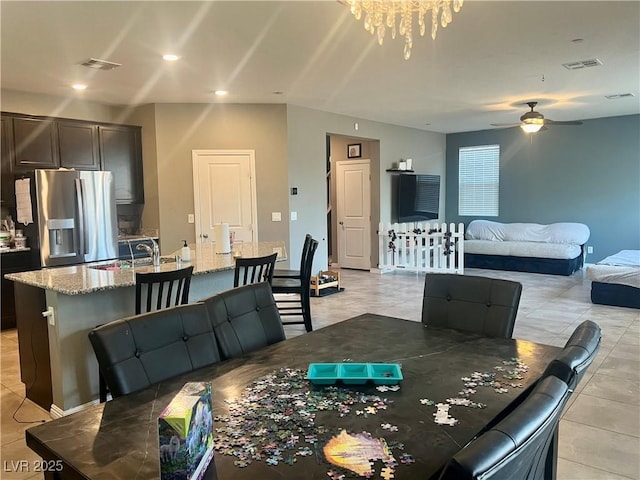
(563, 233)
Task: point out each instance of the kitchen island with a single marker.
(80, 297)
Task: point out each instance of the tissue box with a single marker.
(185, 433)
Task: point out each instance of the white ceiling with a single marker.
(481, 69)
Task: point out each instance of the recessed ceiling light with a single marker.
(221, 93)
(79, 86)
(170, 57)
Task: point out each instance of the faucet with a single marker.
(154, 253)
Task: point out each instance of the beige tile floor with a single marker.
(600, 428)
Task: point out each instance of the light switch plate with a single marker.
(191, 218)
(276, 216)
(294, 216)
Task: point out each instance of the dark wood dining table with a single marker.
(119, 439)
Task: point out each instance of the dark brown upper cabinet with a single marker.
(121, 153)
(6, 174)
(30, 142)
(35, 144)
(78, 142)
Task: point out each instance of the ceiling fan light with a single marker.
(531, 127)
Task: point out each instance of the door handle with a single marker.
(205, 235)
(341, 223)
(80, 196)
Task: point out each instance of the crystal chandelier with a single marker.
(381, 14)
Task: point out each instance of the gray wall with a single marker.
(588, 174)
(306, 139)
(181, 128)
(64, 107)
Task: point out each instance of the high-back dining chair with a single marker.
(576, 356)
(300, 305)
(254, 270)
(157, 290)
(244, 319)
(145, 349)
(522, 446)
(283, 273)
(475, 304)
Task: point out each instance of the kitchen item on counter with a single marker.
(185, 252)
(5, 239)
(9, 225)
(19, 233)
(237, 248)
(21, 242)
(76, 215)
(221, 235)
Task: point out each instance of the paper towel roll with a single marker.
(221, 232)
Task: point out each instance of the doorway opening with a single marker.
(347, 242)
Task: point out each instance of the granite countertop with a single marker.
(17, 249)
(86, 278)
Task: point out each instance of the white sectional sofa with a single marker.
(557, 248)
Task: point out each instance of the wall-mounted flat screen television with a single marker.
(418, 198)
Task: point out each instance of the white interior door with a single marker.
(225, 192)
(353, 204)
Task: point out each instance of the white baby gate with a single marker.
(419, 247)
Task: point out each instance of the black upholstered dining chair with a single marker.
(475, 304)
(157, 290)
(145, 349)
(244, 319)
(300, 287)
(576, 356)
(295, 274)
(254, 270)
(522, 446)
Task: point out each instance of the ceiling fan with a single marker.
(533, 121)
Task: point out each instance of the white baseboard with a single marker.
(57, 412)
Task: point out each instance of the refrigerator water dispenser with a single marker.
(61, 237)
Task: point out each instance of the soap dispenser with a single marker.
(185, 253)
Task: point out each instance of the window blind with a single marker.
(479, 180)
(428, 194)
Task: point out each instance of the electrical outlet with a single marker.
(276, 216)
(191, 218)
(294, 216)
(589, 249)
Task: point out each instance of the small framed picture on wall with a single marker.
(354, 150)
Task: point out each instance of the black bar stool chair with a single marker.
(281, 273)
(172, 289)
(254, 270)
(301, 305)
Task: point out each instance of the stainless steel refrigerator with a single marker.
(76, 216)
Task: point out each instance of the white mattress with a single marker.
(562, 251)
(622, 268)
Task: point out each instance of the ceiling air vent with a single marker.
(100, 64)
(592, 62)
(619, 95)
